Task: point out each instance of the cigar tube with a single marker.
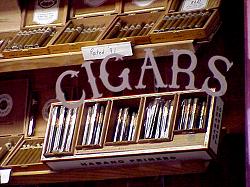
(14, 40)
(136, 30)
(115, 30)
(195, 20)
(188, 22)
(202, 20)
(175, 19)
(174, 6)
(185, 18)
(44, 36)
(129, 31)
(76, 31)
(177, 23)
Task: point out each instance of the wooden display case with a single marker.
(131, 24)
(41, 21)
(89, 20)
(148, 146)
(188, 20)
(13, 115)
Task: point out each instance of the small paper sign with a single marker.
(190, 5)
(4, 176)
(101, 51)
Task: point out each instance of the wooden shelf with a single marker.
(129, 171)
(76, 58)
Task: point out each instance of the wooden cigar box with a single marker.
(89, 20)
(13, 115)
(131, 25)
(62, 127)
(188, 20)
(148, 144)
(41, 20)
(27, 153)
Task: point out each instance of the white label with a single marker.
(46, 11)
(127, 160)
(190, 5)
(101, 51)
(4, 176)
(142, 3)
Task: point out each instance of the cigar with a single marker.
(98, 31)
(82, 35)
(17, 44)
(174, 20)
(129, 31)
(4, 44)
(67, 35)
(123, 31)
(87, 33)
(185, 18)
(44, 36)
(5, 149)
(202, 20)
(143, 30)
(189, 20)
(137, 29)
(76, 31)
(177, 22)
(115, 30)
(148, 29)
(30, 40)
(91, 32)
(25, 39)
(14, 40)
(174, 6)
(36, 153)
(49, 38)
(195, 20)
(62, 36)
(169, 21)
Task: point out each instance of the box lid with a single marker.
(193, 5)
(13, 106)
(44, 13)
(134, 6)
(85, 8)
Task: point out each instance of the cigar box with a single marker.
(27, 152)
(13, 115)
(62, 127)
(188, 20)
(41, 20)
(89, 20)
(131, 25)
(149, 145)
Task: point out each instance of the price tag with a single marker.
(190, 5)
(4, 176)
(101, 51)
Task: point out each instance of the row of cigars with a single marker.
(173, 23)
(108, 123)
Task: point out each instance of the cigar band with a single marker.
(6, 104)
(142, 3)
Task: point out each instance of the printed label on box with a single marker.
(143, 3)
(190, 5)
(101, 51)
(4, 176)
(46, 12)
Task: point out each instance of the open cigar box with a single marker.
(136, 21)
(188, 20)
(41, 20)
(148, 128)
(27, 152)
(13, 115)
(89, 20)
